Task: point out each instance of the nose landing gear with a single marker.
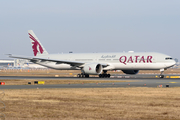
(161, 75)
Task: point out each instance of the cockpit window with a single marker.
(168, 58)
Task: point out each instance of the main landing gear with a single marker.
(83, 75)
(104, 75)
(161, 75)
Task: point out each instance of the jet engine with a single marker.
(130, 71)
(93, 69)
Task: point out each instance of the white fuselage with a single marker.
(115, 61)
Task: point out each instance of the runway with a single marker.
(114, 76)
(136, 81)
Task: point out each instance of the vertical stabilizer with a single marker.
(37, 47)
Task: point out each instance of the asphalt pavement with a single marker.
(130, 81)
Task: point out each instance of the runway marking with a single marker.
(167, 82)
(173, 82)
(175, 77)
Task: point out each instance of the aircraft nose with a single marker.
(174, 62)
(170, 63)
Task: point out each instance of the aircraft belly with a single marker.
(59, 66)
(139, 66)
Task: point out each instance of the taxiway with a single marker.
(135, 81)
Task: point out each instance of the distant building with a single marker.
(18, 64)
(6, 63)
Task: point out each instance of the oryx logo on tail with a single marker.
(36, 46)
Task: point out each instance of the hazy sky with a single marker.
(91, 26)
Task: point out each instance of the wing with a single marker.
(36, 59)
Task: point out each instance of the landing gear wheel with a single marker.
(161, 76)
(108, 75)
(104, 75)
(79, 75)
(100, 75)
(86, 75)
(82, 75)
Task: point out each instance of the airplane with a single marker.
(98, 63)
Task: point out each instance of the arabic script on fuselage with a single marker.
(108, 56)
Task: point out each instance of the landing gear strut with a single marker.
(161, 75)
(104, 75)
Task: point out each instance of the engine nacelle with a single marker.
(130, 71)
(93, 69)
